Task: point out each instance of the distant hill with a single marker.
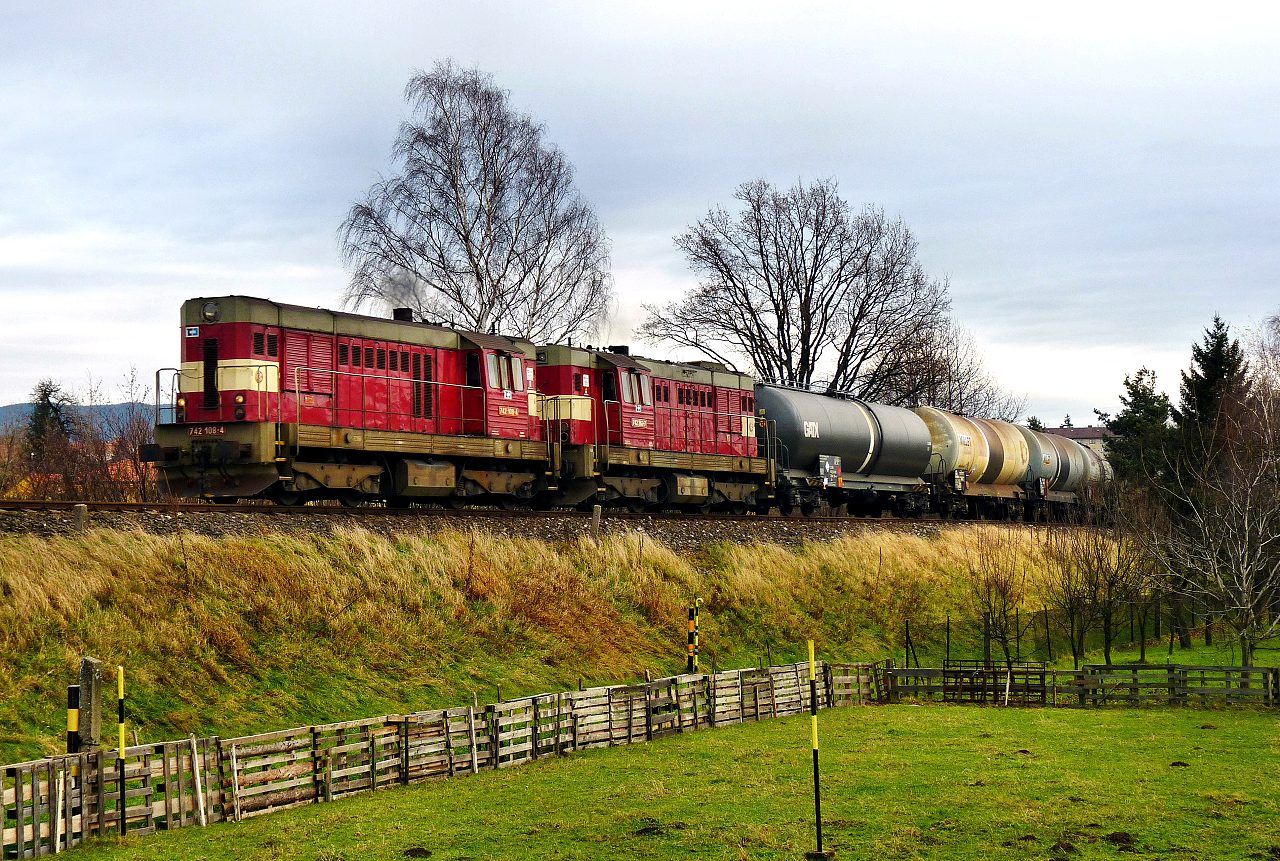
(12, 414)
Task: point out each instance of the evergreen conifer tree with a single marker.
(1142, 434)
(1218, 372)
(50, 418)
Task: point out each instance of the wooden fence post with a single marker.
(404, 749)
(471, 738)
(533, 729)
(315, 764)
(495, 739)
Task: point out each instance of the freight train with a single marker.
(294, 404)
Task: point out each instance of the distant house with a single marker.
(1091, 437)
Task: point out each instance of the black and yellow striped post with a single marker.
(73, 718)
(691, 663)
(817, 792)
(120, 782)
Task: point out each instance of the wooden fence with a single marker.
(55, 803)
(1028, 684)
(52, 804)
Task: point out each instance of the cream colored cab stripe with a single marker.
(253, 375)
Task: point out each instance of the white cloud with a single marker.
(1095, 179)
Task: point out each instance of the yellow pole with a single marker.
(122, 803)
(813, 719)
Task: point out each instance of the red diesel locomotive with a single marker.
(294, 404)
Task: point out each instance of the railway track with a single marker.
(335, 510)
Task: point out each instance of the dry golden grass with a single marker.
(245, 634)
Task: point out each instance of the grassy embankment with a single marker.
(899, 782)
(241, 635)
(233, 636)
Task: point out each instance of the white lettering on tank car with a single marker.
(811, 430)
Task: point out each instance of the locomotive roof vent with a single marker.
(620, 350)
(404, 315)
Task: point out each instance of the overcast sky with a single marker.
(1095, 182)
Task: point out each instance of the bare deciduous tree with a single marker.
(1216, 530)
(481, 224)
(998, 585)
(948, 372)
(1113, 566)
(1069, 590)
(810, 292)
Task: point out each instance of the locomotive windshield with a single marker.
(505, 371)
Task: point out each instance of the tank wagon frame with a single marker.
(295, 404)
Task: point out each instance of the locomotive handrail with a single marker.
(261, 388)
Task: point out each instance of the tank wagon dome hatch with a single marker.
(870, 439)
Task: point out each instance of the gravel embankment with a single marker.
(680, 534)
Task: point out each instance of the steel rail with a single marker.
(335, 510)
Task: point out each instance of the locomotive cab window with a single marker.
(610, 383)
(628, 393)
(506, 371)
(473, 371)
(517, 372)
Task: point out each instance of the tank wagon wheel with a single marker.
(808, 509)
(353, 500)
(224, 500)
(288, 498)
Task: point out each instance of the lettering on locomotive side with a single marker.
(207, 430)
(508, 411)
(811, 430)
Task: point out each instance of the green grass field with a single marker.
(900, 782)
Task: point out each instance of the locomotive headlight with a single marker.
(209, 311)
(239, 399)
(182, 402)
